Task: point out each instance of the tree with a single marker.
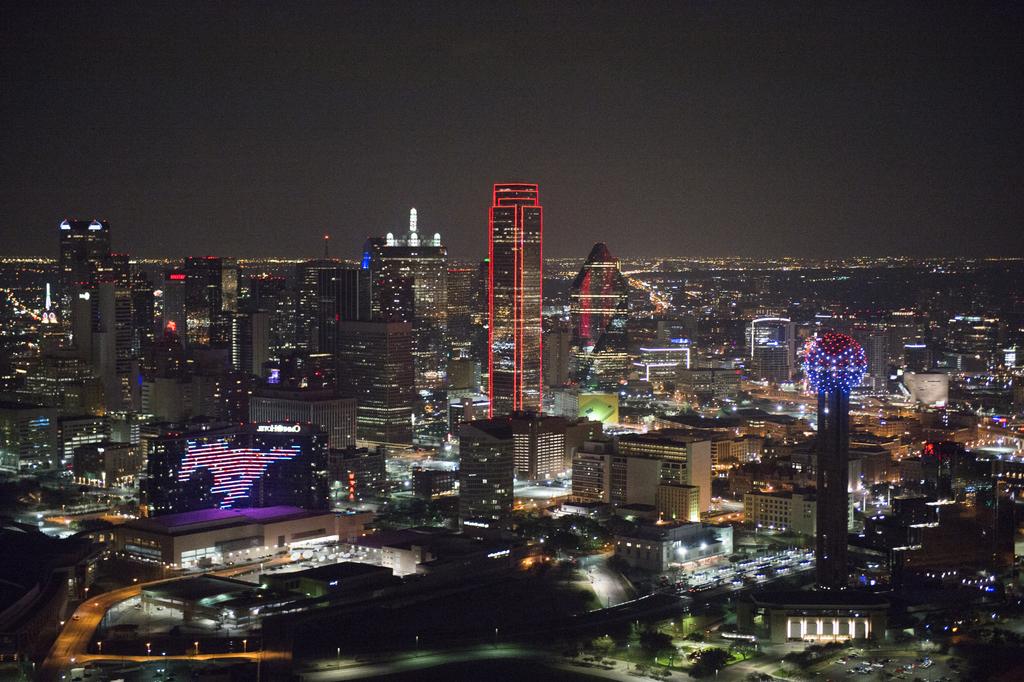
(653, 641)
(709, 662)
(696, 636)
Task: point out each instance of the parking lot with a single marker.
(746, 573)
(892, 665)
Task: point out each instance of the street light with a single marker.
(197, 646)
(149, 648)
(99, 646)
(338, 657)
(245, 646)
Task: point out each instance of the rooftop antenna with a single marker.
(327, 241)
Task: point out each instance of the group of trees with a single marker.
(564, 534)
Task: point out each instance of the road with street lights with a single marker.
(72, 644)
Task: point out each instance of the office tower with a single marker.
(681, 458)
(102, 325)
(166, 391)
(874, 341)
(358, 473)
(84, 256)
(917, 357)
(463, 325)
(539, 445)
(974, 337)
(128, 276)
(211, 299)
(558, 355)
(514, 307)
(272, 294)
(410, 284)
(64, 379)
(329, 294)
(591, 471)
(28, 437)
(482, 317)
(834, 363)
(254, 465)
(250, 341)
(486, 469)
(172, 304)
(334, 414)
(772, 349)
(599, 299)
(73, 432)
(375, 365)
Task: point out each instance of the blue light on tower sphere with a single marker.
(834, 362)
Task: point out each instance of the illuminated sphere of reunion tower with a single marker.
(834, 363)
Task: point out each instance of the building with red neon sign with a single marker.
(515, 276)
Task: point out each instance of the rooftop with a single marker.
(199, 587)
(824, 598)
(342, 570)
(187, 522)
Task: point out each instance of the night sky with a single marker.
(684, 128)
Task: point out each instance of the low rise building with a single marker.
(108, 465)
(221, 536)
(817, 616)
(677, 501)
(433, 483)
(660, 547)
(332, 579)
(796, 512)
(433, 551)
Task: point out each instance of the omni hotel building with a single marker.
(249, 465)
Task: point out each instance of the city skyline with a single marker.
(468, 340)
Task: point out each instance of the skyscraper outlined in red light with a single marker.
(515, 273)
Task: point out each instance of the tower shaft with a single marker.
(833, 476)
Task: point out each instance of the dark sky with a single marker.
(683, 128)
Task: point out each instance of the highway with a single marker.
(72, 644)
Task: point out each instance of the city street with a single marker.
(609, 586)
(72, 643)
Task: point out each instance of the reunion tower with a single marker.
(834, 364)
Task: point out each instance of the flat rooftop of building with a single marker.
(339, 571)
(823, 598)
(660, 531)
(498, 428)
(664, 436)
(203, 519)
(199, 587)
(809, 494)
(407, 536)
(701, 422)
(637, 507)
